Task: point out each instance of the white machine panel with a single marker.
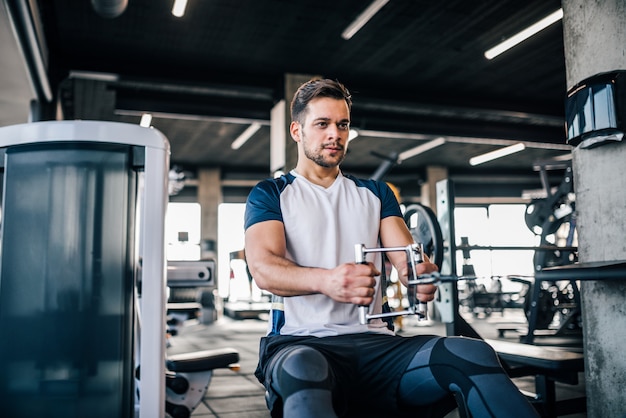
(191, 273)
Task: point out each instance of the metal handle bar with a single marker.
(414, 256)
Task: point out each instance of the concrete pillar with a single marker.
(209, 197)
(278, 137)
(595, 42)
(292, 82)
(92, 100)
(429, 189)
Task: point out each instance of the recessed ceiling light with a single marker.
(146, 120)
(179, 8)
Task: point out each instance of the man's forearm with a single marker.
(283, 277)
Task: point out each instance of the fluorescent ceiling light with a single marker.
(421, 149)
(245, 135)
(179, 8)
(525, 34)
(564, 157)
(363, 18)
(146, 120)
(92, 75)
(493, 155)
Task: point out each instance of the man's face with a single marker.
(324, 134)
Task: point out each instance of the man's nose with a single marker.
(335, 131)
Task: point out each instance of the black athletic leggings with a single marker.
(469, 368)
(302, 375)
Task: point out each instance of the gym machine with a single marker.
(414, 256)
(429, 241)
(83, 210)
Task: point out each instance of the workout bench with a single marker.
(549, 365)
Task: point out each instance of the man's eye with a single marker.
(322, 124)
(344, 126)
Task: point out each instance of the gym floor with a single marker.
(240, 395)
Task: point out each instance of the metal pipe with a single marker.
(109, 8)
(23, 28)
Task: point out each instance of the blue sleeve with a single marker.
(389, 203)
(263, 203)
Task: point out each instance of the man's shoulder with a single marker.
(277, 184)
(373, 185)
(381, 191)
(263, 203)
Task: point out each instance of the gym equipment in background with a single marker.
(83, 217)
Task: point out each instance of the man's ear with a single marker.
(294, 130)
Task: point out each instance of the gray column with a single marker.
(292, 82)
(92, 100)
(595, 42)
(428, 193)
(209, 197)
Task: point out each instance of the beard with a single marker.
(320, 158)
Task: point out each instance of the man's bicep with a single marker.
(394, 232)
(263, 239)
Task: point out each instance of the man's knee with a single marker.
(476, 352)
(299, 368)
(457, 361)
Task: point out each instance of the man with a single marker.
(318, 360)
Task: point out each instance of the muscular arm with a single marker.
(395, 233)
(266, 257)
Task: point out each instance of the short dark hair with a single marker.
(313, 89)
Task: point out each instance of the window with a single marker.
(182, 231)
(230, 238)
(496, 226)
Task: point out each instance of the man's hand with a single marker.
(426, 292)
(351, 283)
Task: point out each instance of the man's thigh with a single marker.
(366, 368)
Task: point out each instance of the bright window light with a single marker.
(496, 225)
(230, 237)
(493, 155)
(183, 220)
(523, 35)
(353, 134)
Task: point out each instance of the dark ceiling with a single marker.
(416, 71)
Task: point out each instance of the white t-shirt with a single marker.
(322, 227)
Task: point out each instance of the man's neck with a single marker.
(321, 176)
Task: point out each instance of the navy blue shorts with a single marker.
(366, 369)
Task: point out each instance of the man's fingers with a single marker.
(426, 292)
(429, 289)
(368, 269)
